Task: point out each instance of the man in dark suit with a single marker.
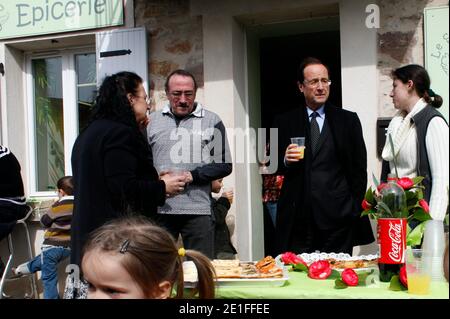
(319, 207)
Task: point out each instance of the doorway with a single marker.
(279, 60)
(273, 54)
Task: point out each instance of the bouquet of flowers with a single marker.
(416, 209)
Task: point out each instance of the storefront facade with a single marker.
(232, 47)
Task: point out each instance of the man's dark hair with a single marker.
(307, 62)
(182, 73)
(66, 184)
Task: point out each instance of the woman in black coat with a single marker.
(111, 161)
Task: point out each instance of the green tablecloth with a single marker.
(299, 286)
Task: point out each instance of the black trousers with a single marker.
(307, 237)
(197, 231)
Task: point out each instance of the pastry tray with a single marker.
(247, 282)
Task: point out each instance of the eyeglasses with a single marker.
(315, 82)
(178, 94)
(147, 99)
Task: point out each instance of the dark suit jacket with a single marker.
(112, 176)
(345, 129)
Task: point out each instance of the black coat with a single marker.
(11, 187)
(222, 239)
(112, 176)
(296, 194)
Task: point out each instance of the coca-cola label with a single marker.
(392, 240)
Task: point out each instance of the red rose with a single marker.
(319, 270)
(366, 205)
(350, 277)
(423, 203)
(291, 258)
(403, 277)
(381, 186)
(405, 183)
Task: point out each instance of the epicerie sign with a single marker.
(20, 18)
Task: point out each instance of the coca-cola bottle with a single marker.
(392, 223)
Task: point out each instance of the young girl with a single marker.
(133, 258)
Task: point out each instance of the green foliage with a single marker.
(395, 284)
(414, 237)
(339, 284)
(380, 207)
(300, 267)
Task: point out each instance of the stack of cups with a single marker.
(434, 245)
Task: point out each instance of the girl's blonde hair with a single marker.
(150, 255)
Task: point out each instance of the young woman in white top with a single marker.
(420, 136)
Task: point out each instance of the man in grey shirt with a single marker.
(187, 139)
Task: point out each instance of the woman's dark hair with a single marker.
(421, 80)
(150, 255)
(112, 103)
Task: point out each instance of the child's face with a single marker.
(216, 185)
(107, 278)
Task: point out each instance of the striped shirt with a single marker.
(57, 220)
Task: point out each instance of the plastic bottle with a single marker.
(392, 224)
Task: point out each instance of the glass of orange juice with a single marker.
(418, 276)
(300, 141)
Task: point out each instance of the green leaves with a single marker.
(362, 279)
(414, 237)
(339, 284)
(384, 208)
(395, 284)
(334, 274)
(370, 198)
(417, 180)
(300, 267)
(421, 215)
(375, 180)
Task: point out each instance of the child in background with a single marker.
(56, 243)
(223, 248)
(132, 258)
(272, 184)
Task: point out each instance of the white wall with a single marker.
(360, 81)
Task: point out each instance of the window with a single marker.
(61, 93)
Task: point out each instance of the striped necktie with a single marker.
(315, 132)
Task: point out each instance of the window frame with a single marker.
(70, 110)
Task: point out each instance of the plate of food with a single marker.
(264, 272)
(338, 261)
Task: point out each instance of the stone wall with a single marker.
(401, 42)
(175, 41)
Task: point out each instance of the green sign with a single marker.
(21, 18)
(436, 52)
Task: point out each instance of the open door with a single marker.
(122, 50)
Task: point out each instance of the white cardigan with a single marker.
(437, 140)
